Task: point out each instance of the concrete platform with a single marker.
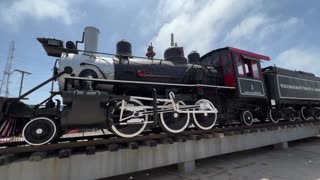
(106, 164)
(301, 161)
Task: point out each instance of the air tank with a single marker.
(124, 49)
(91, 37)
(194, 57)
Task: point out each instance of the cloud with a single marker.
(262, 30)
(298, 58)
(17, 11)
(247, 27)
(197, 24)
(282, 26)
(116, 4)
(204, 25)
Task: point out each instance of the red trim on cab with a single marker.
(229, 79)
(250, 54)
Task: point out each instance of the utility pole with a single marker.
(7, 71)
(22, 77)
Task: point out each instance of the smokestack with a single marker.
(91, 37)
(172, 39)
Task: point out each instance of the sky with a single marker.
(285, 30)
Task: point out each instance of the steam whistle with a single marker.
(150, 53)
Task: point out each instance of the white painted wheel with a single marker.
(39, 131)
(130, 130)
(272, 117)
(303, 113)
(204, 121)
(246, 117)
(174, 122)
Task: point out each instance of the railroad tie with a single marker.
(113, 147)
(133, 145)
(167, 141)
(90, 150)
(151, 143)
(38, 156)
(64, 153)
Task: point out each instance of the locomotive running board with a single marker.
(106, 81)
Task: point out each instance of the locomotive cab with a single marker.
(248, 73)
(240, 69)
(241, 73)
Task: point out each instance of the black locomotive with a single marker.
(128, 95)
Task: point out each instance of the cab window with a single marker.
(248, 67)
(255, 69)
(240, 66)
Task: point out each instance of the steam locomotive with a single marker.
(128, 95)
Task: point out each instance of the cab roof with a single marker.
(241, 52)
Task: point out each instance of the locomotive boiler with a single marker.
(128, 95)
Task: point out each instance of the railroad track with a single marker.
(92, 144)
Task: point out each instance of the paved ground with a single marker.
(300, 161)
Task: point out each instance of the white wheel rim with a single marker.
(245, 120)
(302, 114)
(116, 131)
(162, 121)
(196, 121)
(271, 117)
(40, 118)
